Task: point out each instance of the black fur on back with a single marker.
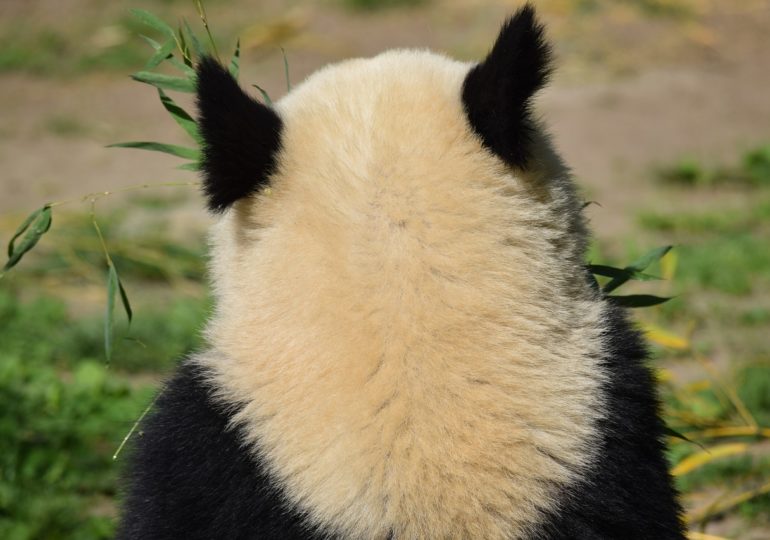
(629, 493)
(497, 92)
(241, 137)
(192, 479)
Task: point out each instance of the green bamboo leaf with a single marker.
(192, 166)
(23, 227)
(154, 44)
(674, 433)
(173, 149)
(184, 68)
(613, 272)
(638, 300)
(167, 82)
(161, 53)
(180, 116)
(112, 286)
(152, 21)
(264, 93)
(35, 226)
(635, 269)
(184, 49)
(235, 61)
(649, 258)
(200, 52)
(124, 300)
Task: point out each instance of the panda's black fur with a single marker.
(202, 469)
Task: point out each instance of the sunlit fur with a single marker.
(402, 321)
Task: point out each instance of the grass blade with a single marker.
(167, 82)
(638, 300)
(173, 149)
(235, 61)
(180, 116)
(34, 227)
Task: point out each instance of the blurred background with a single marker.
(662, 108)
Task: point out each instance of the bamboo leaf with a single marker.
(612, 272)
(200, 52)
(161, 53)
(674, 433)
(23, 227)
(649, 258)
(154, 44)
(173, 149)
(152, 21)
(112, 286)
(183, 47)
(167, 82)
(264, 93)
(635, 269)
(184, 68)
(180, 116)
(34, 227)
(192, 166)
(638, 300)
(235, 61)
(124, 301)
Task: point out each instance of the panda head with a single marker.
(393, 232)
(243, 138)
(394, 146)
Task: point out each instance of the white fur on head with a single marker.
(403, 320)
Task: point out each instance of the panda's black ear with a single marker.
(241, 137)
(497, 92)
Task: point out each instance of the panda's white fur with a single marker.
(417, 304)
(405, 341)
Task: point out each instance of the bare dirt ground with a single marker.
(631, 91)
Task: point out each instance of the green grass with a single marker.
(64, 414)
(722, 279)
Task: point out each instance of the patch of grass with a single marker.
(737, 264)
(64, 415)
(752, 170)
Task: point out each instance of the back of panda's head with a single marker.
(242, 137)
(388, 166)
(399, 260)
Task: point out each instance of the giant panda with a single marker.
(405, 341)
